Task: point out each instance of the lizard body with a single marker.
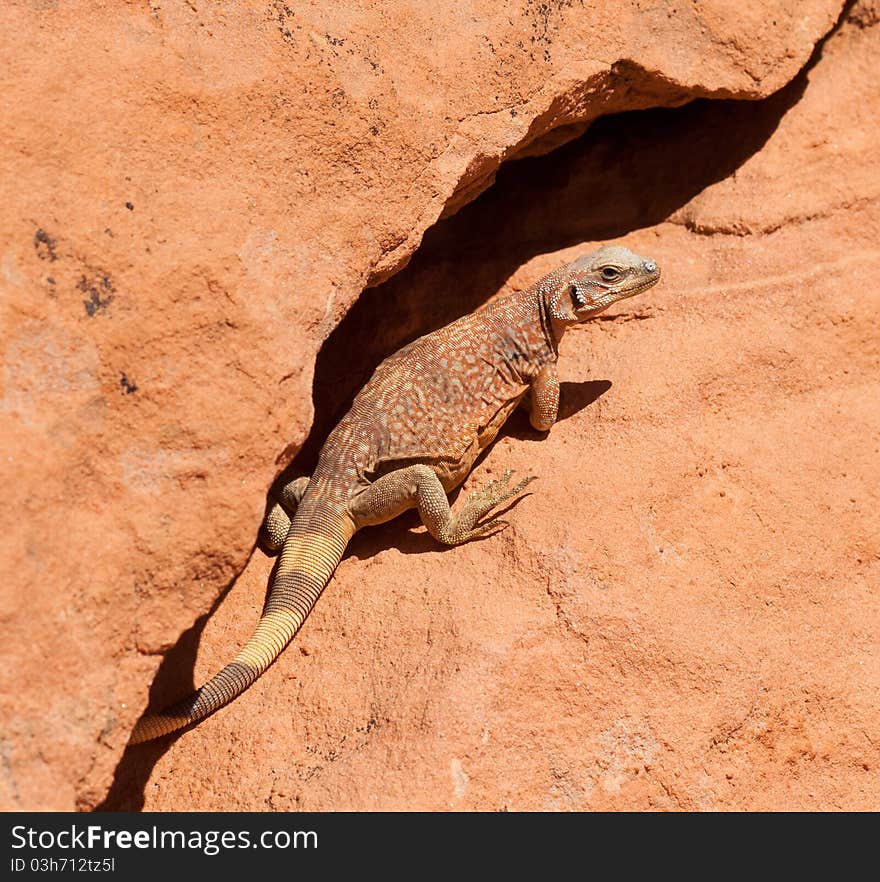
(411, 436)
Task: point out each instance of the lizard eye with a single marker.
(609, 273)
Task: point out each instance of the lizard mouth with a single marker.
(637, 288)
(643, 286)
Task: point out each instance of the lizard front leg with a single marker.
(544, 398)
(419, 487)
(283, 508)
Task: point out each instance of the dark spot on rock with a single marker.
(44, 245)
(371, 724)
(129, 206)
(100, 292)
(127, 386)
(285, 21)
(374, 130)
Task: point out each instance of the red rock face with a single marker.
(682, 614)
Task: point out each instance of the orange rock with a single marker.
(192, 201)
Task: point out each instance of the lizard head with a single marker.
(593, 282)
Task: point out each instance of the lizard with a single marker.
(411, 436)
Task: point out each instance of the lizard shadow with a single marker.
(627, 172)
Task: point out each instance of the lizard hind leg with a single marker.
(281, 512)
(419, 487)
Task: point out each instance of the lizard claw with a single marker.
(467, 525)
(490, 528)
(480, 503)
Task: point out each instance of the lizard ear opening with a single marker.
(578, 301)
(562, 303)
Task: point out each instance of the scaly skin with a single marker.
(411, 436)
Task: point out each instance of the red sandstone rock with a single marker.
(682, 614)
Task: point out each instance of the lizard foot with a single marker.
(281, 512)
(275, 527)
(494, 493)
(481, 502)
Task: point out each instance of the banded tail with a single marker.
(315, 543)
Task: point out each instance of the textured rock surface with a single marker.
(192, 198)
(698, 629)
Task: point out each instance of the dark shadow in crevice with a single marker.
(629, 171)
(174, 680)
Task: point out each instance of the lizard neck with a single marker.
(526, 339)
(552, 324)
(552, 327)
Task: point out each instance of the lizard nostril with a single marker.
(650, 266)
